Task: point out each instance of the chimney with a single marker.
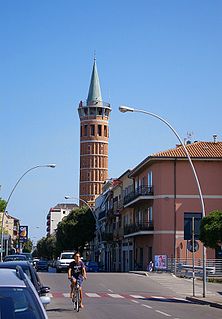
(215, 138)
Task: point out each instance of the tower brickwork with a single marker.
(94, 136)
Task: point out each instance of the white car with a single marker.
(64, 260)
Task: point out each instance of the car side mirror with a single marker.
(44, 290)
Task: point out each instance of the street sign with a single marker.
(2, 250)
(190, 245)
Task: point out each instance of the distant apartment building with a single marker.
(11, 230)
(146, 219)
(56, 214)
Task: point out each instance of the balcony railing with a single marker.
(107, 237)
(137, 227)
(139, 191)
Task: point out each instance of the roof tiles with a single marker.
(195, 150)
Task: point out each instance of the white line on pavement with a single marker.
(163, 313)
(147, 306)
(93, 295)
(115, 296)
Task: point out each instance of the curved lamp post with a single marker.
(125, 109)
(91, 209)
(3, 215)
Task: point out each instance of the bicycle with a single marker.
(76, 297)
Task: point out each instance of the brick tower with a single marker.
(94, 135)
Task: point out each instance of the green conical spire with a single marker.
(94, 94)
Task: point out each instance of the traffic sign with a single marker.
(190, 245)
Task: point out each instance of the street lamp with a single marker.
(125, 109)
(3, 215)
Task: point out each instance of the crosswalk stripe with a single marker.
(157, 297)
(66, 295)
(115, 296)
(92, 294)
(137, 296)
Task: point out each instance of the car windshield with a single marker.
(67, 256)
(18, 303)
(15, 257)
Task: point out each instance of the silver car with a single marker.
(18, 297)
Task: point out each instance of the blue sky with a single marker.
(157, 55)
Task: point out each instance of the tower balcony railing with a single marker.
(138, 227)
(139, 191)
(94, 104)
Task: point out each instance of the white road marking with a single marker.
(147, 306)
(93, 295)
(163, 313)
(135, 301)
(110, 290)
(158, 297)
(66, 295)
(115, 296)
(137, 296)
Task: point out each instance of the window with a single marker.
(150, 179)
(105, 131)
(92, 111)
(100, 130)
(150, 214)
(92, 129)
(85, 130)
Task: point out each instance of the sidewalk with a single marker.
(212, 300)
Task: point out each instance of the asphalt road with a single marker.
(126, 295)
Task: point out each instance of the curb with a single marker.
(205, 302)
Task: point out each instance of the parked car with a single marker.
(19, 299)
(92, 266)
(30, 272)
(28, 256)
(42, 265)
(14, 257)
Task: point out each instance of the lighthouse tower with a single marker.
(94, 135)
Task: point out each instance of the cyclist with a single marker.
(76, 274)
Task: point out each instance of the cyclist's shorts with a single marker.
(79, 280)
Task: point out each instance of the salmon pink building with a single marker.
(151, 213)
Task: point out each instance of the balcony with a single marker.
(118, 234)
(138, 227)
(108, 237)
(141, 191)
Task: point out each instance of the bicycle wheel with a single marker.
(74, 301)
(77, 301)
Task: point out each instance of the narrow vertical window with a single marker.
(100, 130)
(92, 129)
(85, 130)
(105, 130)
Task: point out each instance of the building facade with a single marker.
(56, 214)
(94, 135)
(152, 208)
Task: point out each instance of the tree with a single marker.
(46, 247)
(2, 205)
(74, 231)
(211, 229)
(27, 246)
